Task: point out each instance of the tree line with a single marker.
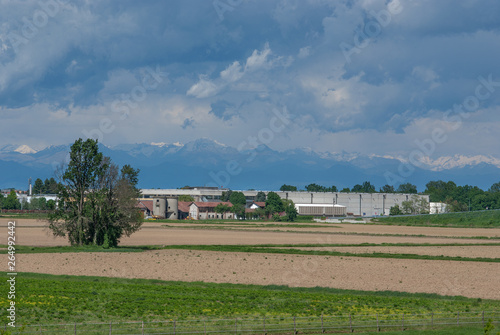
(457, 198)
(365, 187)
(274, 206)
(49, 186)
(11, 201)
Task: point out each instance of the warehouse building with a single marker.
(357, 204)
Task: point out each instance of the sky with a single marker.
(373, 77)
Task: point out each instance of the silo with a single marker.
(160, 207)
(172, 208)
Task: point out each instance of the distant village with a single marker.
(202, 203)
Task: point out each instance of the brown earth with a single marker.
(327, 228)
(471, 279)
(364, 229)
(476, 251)
(33, 233)
(38, 236)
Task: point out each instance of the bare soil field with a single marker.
(471, 279)
(39, 236)
(326, 228)
(476, 251)
(32, 232)
(364, 229)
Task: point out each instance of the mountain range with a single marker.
(205, 162)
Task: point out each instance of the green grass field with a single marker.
(44, 298)
(481, 219)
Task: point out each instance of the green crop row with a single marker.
(44, 298)
(480, 219)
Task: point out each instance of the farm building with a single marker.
(147, 208)
(206, 210)
(359, 204)
(257, 204)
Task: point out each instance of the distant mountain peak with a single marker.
(459, 161)
(164, 144)
(24, 149)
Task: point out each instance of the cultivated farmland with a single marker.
(366, 258)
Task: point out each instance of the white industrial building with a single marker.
(356, 204)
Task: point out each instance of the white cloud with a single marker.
(258, 59)
(203, 89)
(265, 53)
(232, 73)
(304, 52)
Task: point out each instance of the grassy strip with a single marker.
(268, 248)
(230, 226)
(21, 249)
(468, 330)
(480, 219)
(42, 298)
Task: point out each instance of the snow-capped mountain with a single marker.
(208, 162)
(24, 149)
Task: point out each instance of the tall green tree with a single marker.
(11, 201)
(274, 203)
(495, 188)
(387, 189)
(367, 187)
(38, 187)
(226, 195)
(286, 187)
(96, 202)
(238, 198)
(439, 190)
(239, 210)
(291, 211)
(320, 188)
(222, 209)
(52, 187)
(407, 188)
(415, 205)
(38, 203)
(186, 198)
(261, 197)
(395, 210)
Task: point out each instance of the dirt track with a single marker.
(471, 279)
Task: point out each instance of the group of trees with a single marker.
(10, 201)
(463, 198)
(49, 186)
(274, 206)
(96, 200)
(365, 187)
(414, 205)
(457, 198)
